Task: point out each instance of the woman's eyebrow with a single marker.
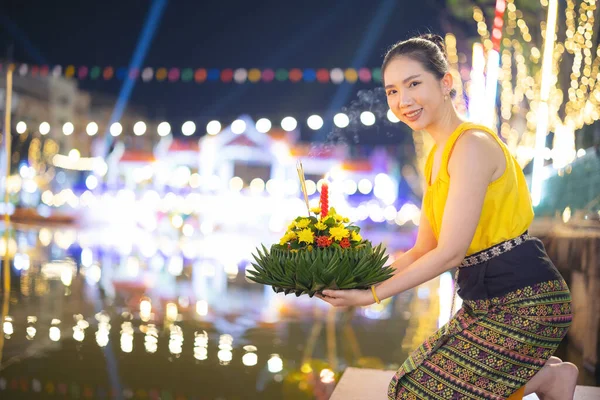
(411, 77)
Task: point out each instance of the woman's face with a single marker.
(413, 94)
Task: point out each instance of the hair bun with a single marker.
(437, 40)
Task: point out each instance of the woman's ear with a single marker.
(447, 83)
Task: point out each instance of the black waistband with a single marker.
(495, 250)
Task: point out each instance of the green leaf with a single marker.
(308, 272)
(329, 221)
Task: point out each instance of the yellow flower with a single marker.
(289, 236)
(310, 248)
(338, 232)
(303, 223)
(316, 210)
(320, 226)
(339, 218)
(306, 236)
(356, 237)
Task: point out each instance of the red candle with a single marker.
(324, 200)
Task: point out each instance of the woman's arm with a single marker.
(471, 168)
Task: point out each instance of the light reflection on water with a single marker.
(103, 316)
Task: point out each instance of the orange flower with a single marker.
(345, 243)
(323, 241)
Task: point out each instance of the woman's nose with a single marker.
(405, 101)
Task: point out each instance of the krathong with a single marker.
(321, 251)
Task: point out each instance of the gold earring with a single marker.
(445, 97)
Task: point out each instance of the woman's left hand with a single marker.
(347, 298)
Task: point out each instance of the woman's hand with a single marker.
(347, 298)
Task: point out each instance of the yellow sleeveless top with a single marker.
(507, 211)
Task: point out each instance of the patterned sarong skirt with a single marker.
(516, 310)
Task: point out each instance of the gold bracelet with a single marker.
(375, 295)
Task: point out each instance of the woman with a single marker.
(475, 215)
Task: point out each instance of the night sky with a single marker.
(219, 34)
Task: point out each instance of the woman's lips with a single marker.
(413, 115)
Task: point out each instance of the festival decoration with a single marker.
(321, 251)
(200, 75)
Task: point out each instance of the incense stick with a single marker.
(300, 170)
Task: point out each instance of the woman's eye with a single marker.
(413, 84)
(391, 92)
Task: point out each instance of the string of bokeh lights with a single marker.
(214, 127)
(201, 75)
(520, 82)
